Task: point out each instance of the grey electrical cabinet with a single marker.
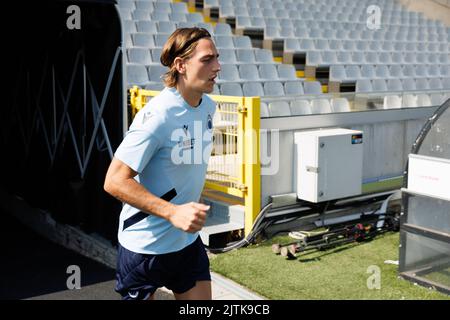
(329, 164)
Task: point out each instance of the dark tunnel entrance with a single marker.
(62, 116)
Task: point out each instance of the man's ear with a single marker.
(180, 65)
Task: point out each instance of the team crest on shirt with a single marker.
(209, 123)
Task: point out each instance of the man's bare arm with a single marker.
(120, 183)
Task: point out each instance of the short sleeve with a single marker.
(140, 144)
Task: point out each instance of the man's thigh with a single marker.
(201, 291)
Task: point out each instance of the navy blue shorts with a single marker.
(139, 275)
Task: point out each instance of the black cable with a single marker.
(259, 227)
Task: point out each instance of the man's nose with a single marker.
(217, 66)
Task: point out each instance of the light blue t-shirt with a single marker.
(169, 144)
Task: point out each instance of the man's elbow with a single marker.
(109, 186)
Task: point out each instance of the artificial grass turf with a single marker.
(336, 273)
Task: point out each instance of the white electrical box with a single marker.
(329, 164)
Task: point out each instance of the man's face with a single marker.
(202, 67)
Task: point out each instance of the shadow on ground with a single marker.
(35, 268)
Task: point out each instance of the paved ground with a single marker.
(34, 268)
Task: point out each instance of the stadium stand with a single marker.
(326, 43)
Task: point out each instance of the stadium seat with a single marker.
(253, 89)
(264, 110)
(273, 88)
(300, 107)
(286, 72)
(423, 100)
(137, 75)
(293, 88)
(279, 109)
(228, 72)
(321, 106)
(409, 101)
(139, 56)
(268, 72)
(155, 72)
(245, 55)
(227, 56)
(392, 102)
(143, 40)
(248, 72)
(340, 105)
(394, 85)
(379, 85)
(363, 85)
(312, 87)
(231, 89)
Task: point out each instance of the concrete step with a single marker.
(226, 214)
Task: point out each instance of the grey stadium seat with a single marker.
(223, 29)
(139, 55)
(340, 105)
(423, 100)
(396, 71)
(156, 54)
(195, 17)
(227, 56)
(264, 110)
(368, 71)
(446, 83)
(293, 88)
(353, 72)
(394, 85)
(253, 89)
(231, 89)
(422, 84)
(379, 85)
(248, 72)
(312, 87)
(156, 86)
(286, 72)
(224, 42)
(242, 42)
(160, 39)
(279, 109)
(264, 55)
(166, 27)
(392, 102)
(155, 72)
(268, 71)
(409, 84)
(229, 72)
(382, 71)
(337, 73)
(137, 75)
(143, 40)
(273, 88)
(140, 15)
(245, 55)
(363, 85)
(321, 106)
(300, 107)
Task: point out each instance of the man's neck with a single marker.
(192, 98)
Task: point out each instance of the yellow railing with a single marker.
(234, 166)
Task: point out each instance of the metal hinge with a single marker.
(242, 109)
(242, 187)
